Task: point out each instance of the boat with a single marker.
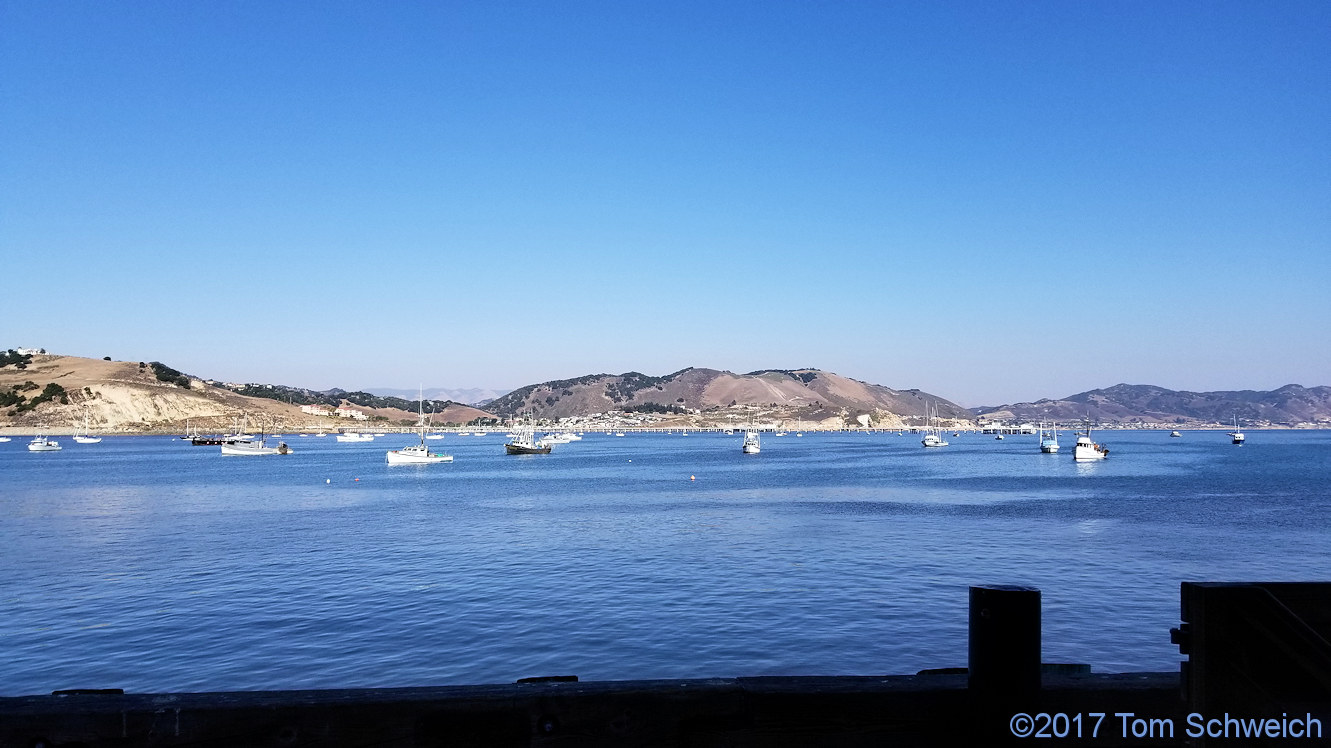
(1175, 434)
(40, 443)
(933, 436)
(355, 436)
(417, 454)
(1236, 436)
(524, 442)
(998, 438)
(4, 439)
(86, 437)
(752, 444)
(254, 448)
(1087, 450)
(1049, 439)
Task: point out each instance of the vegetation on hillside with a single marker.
(13, 357)
(335, 397)
(165, 373)
(51, 393)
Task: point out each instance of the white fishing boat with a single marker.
(1049, 439)
(86, 437)
(752, 444)
(1175, 434)
(40, 443)
(1236, 436)
(4, 439)
(1087, 450)
(933, 436)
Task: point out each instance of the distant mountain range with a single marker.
(1290, 405)
(474, 396)
(55, 389)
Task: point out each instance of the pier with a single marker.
(1257, 658)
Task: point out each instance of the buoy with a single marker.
(358, 480)
(692, 478)
(328, 480)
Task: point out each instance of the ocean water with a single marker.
(147, 564)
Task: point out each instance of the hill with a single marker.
(1291, 405)
(809, 394)
(54, 392)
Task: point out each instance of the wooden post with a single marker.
(1004, 642)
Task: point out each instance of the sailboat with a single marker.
(1236, 436)
(1049, 438)
(934, 433)
(417, 454)
(85, 437)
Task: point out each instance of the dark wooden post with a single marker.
(1005, 642)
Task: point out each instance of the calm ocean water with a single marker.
(148, 564)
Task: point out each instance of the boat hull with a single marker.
(249, 449)
(522, 449)
(398, 458)
(87, 439)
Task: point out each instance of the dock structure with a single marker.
(1258, 659)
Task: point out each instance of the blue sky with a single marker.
(990, 201)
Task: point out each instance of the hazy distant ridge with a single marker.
(474, 396)
(1128, 403)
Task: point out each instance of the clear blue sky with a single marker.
(992, 201)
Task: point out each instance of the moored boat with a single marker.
(86, 437)
(255, 448)
(524, 442)
(752, 444)
(933, 436)
(40, 443)
(417, 454)
(1049, 439)
(1236, 436)
(1087, 450)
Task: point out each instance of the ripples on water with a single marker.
(147, 564)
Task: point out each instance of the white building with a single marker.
(344, 411)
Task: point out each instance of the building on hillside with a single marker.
(317, 410)
(344, 411)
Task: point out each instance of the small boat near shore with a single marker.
(1236, 436)
(40, 443)
(255, 448)
(86, 437)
